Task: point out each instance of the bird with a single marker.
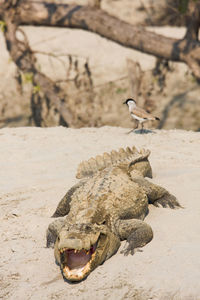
(139, 114)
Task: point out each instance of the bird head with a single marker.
(129, 101)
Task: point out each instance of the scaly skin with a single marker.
(107, 206)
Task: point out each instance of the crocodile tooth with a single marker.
(100, 162)
(107, 159)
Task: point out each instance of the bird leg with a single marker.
(137, 123)
(142, 127)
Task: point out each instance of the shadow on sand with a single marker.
(141, 131)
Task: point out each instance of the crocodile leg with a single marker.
(64, 204)
(53, 231)
(156, 194)
(136, 232)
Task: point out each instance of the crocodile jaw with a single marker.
(76, 264)
(80, 249)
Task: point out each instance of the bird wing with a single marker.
(142, 113)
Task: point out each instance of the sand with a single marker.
(39, 165)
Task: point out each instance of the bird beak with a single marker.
(124, 102)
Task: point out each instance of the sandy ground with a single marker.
(39, 165)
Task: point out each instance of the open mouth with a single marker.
(76, 263)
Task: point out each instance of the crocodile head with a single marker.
(80, 248)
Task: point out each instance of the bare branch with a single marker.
(194, 24)
(98, 21)
(24, 58)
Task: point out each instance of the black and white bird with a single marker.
(139, 114)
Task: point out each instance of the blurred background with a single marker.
(96, 75)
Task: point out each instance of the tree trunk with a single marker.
(26, 62)
(96, 20)
(24, 12)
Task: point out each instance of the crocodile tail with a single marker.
(114, 158)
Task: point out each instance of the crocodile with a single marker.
(108, 205)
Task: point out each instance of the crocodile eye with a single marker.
(58, 238)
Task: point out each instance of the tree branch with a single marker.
(100, 22)
(193, 26)
(24, 58)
